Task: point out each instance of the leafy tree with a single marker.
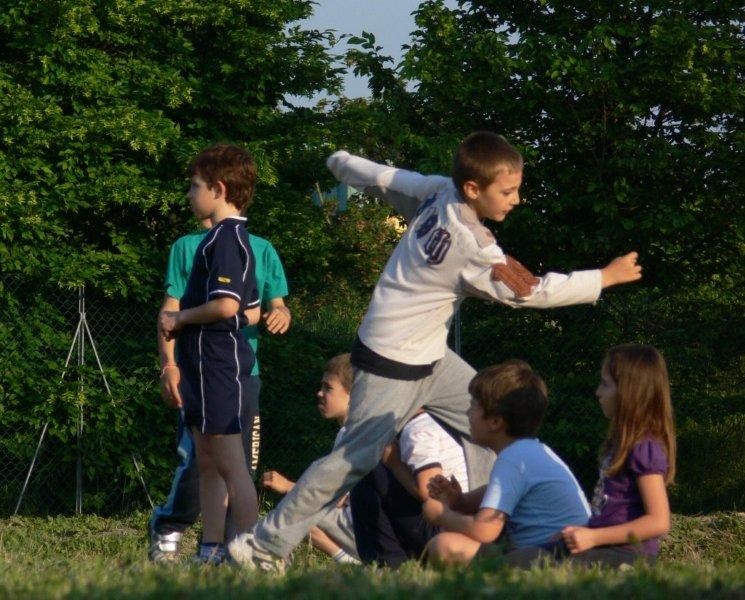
(630, 117)
(102, 104)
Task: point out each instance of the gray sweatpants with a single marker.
(337, 524)
(379, 408)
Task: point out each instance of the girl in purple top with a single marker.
(630, 509)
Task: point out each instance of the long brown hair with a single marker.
(643, 405)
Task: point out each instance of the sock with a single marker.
(342, 557)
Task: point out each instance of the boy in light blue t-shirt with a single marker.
(531, 494)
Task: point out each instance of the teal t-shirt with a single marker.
(270, 275)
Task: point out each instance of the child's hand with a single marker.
(170, 378)
(277, 320)
(621, 270)
(276, 481)
(442, 489)
(432, 511)
(170, 324)
(578, 539)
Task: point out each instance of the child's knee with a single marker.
(438, 548)
(451, 549)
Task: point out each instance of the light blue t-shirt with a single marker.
(537, 491)
(270, 276)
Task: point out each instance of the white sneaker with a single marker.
(164, 546)
(245, 550)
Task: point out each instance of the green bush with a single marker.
(711, 465)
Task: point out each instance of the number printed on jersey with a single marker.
(437, 246)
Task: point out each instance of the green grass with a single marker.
(95, 557)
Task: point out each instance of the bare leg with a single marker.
(451, 548)
(323, 542)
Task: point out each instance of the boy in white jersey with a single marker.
(387, 509)
(401, 357)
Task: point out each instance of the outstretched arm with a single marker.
(509, 282)
(402, 189)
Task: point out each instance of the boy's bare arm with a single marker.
(170, 376)
(471, 501)
(171, 322)
(448, 492)
(484, 527)
(429, 503)
(402, 473)
(253, 315)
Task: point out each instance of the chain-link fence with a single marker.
(107, 437)
(75, 376)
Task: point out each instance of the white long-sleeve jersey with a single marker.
(445, 256)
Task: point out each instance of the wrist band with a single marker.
(167, 366)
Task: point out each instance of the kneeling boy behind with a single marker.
(334, 534)
(531, 491)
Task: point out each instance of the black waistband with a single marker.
(367, 360)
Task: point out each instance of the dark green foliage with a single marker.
(104, 103)
(630, 117)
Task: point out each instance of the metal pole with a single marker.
(108, 391)
(81, 363)
(81, 331)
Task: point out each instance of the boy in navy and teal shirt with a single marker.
(181, 509)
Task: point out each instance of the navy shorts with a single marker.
(215, 370)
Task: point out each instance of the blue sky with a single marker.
(390, 21)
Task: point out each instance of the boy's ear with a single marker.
(220, 190)
(471, 190)
(496, 423)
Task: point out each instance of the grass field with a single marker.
(95, 557)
